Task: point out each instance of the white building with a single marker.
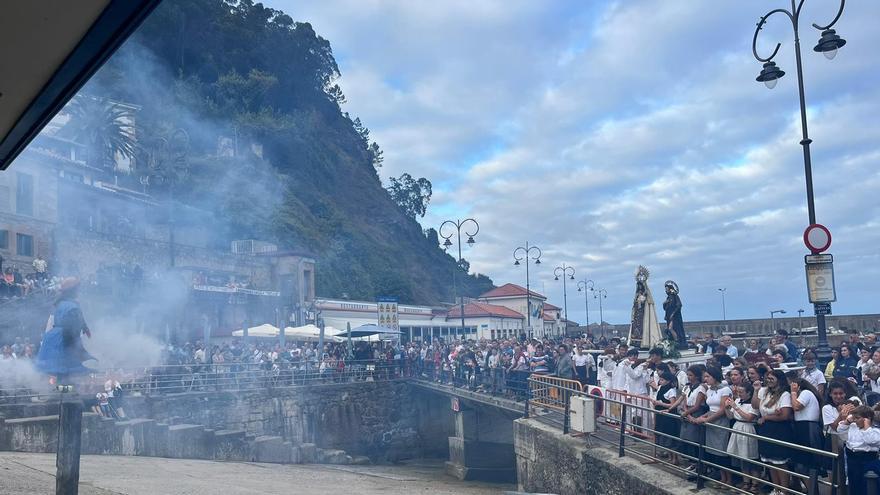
(418, 323)
(491, 321)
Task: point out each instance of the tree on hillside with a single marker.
(411, 195)
(105, 128)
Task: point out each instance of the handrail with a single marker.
(620, 424)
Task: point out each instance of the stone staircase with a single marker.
(147, 437)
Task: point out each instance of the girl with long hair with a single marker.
(807, 403)
(773, 401)
(716, 439)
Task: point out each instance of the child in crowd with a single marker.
(744, 415)
(862, 444)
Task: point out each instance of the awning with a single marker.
(264, 330)
(370, 331)
(340, 322)
(311, 333)
(48, 50)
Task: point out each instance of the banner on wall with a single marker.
(389, 315)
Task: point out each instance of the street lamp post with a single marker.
(566, 272)
(801, 328)
(723, 305)
(773, 312)
(525, 253)
(586, 286)
(471, 228)
(828, 44)
(601, 294)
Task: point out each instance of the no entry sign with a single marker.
(817, 238)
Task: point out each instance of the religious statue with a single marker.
(644, 329)
(674, 321)
(61, 352)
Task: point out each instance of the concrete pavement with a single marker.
(22, 473)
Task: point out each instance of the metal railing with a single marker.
(499, 381)
(615, 411)
(170, 379)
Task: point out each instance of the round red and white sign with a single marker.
(817, 237)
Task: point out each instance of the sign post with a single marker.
(820, 283)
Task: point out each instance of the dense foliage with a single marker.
(411, 195)
(240, 115)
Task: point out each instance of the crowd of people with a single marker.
(728, 404)
(16, 284)
(736, 405)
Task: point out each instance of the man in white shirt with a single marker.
(636, 375)
(618, 377)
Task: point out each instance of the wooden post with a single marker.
(69, 444)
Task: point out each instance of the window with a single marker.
(4, 239)
(24, 195)
(24, 244)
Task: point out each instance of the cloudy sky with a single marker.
(613, 134)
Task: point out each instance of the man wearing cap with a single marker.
(62, 352)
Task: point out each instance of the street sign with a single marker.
(817, 238)
(818, 258)
(820, 278)
(822, 309)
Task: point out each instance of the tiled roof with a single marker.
(483, 309)
(509, 290)
(550, 306)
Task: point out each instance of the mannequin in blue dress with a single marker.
(62, 353)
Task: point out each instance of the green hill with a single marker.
(268, 147)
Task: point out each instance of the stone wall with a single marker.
(550, 462)
(385, 421)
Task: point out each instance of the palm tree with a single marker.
(107, 130)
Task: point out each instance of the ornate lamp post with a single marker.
(567, 272)
(526, 253)
(471, 228)
(585, 286)
(600, 294)
(827, 45)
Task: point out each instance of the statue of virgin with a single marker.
(644, 329)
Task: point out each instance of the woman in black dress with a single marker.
(667, 426)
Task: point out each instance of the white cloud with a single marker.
(623, 133)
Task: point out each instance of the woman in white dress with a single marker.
(741, 446)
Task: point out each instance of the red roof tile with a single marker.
(483, 309)
(550, 306)
(509, 290)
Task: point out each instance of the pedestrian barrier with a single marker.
(615, 412)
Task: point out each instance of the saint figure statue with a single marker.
(672, 308)
(62, 353)
(644, 329)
